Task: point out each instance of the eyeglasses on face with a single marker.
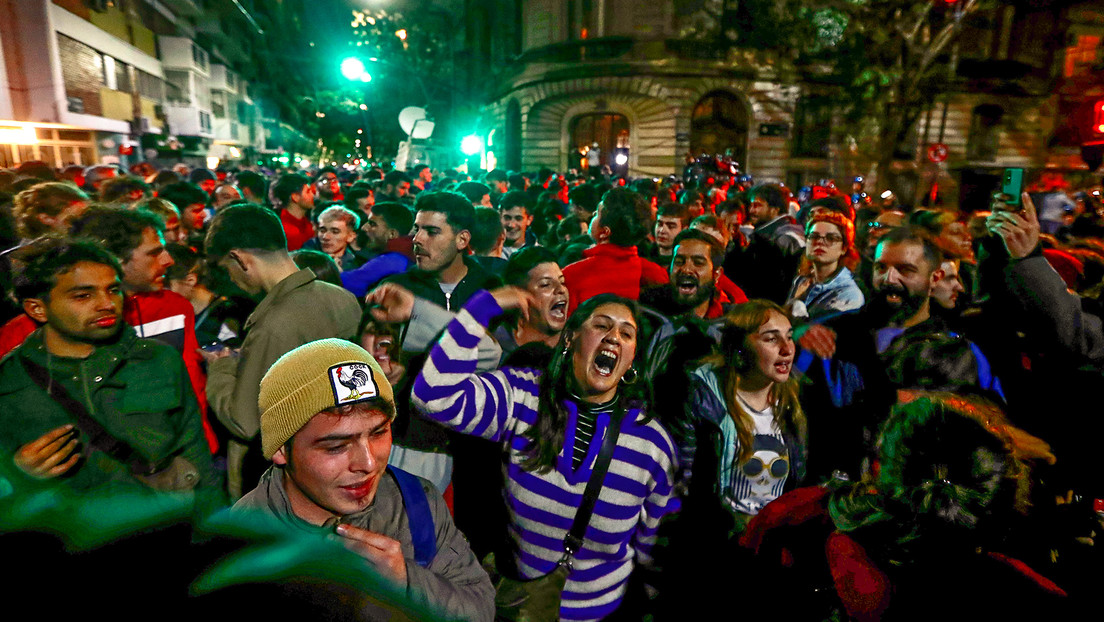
(829, 239)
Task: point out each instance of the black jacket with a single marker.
(425, 285)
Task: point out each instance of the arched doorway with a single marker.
(719, 124)
(611, 132)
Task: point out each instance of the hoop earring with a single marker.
(635, 376)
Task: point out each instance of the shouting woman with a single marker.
(552, 424)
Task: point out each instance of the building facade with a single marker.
(88, 81)
(627, 77)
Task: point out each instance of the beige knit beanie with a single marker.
(312, 378)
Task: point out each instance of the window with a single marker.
(231, 81)
(150, 86)
(812, 127)
(177, 85)
(204, 122)
(218, 104)
(108, 71)
(199, 56)
(607, 129)
(122, 77)
(985, 126)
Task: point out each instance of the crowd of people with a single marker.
(654, 389)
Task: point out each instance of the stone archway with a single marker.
(719, 123)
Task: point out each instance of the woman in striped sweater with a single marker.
(551, 423)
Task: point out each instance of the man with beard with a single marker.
(134, 238)
(893, 343)
(694, 307)
(443, 272)
(695, 271)
(84, 396)
(766, 267)
(326, 185)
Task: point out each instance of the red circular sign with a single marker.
(937, 152)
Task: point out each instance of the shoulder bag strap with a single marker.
(418, 515)
(574, 539)
(98, 437)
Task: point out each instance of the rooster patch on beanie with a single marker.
(352, 382)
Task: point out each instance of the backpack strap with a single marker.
(418, 514)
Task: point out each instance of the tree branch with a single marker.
(944, 37)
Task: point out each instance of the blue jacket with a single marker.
(360, 280)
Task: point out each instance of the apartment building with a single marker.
(91, 81)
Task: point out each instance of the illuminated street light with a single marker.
(364, 106)
(471, 145)
(353, 69)
(621, 159)
(401, 34)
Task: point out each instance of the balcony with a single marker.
(582, 50)
(183, 53)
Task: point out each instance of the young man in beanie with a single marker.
(326, 412)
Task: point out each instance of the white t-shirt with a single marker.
(749, 486)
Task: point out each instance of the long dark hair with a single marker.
(546, 438)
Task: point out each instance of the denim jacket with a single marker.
(840, 294)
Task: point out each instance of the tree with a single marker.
(888, 59)
(894, 59)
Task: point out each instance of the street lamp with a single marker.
(353, 69)
(471, 145)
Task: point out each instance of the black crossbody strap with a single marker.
(98, 437)
(574, 539)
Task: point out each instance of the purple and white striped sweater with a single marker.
(500, 405)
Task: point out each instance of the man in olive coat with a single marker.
(83, 396)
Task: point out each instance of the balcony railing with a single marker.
(582, 50)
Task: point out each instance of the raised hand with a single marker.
(511, 297)
(1019, 230)
(390, 303)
